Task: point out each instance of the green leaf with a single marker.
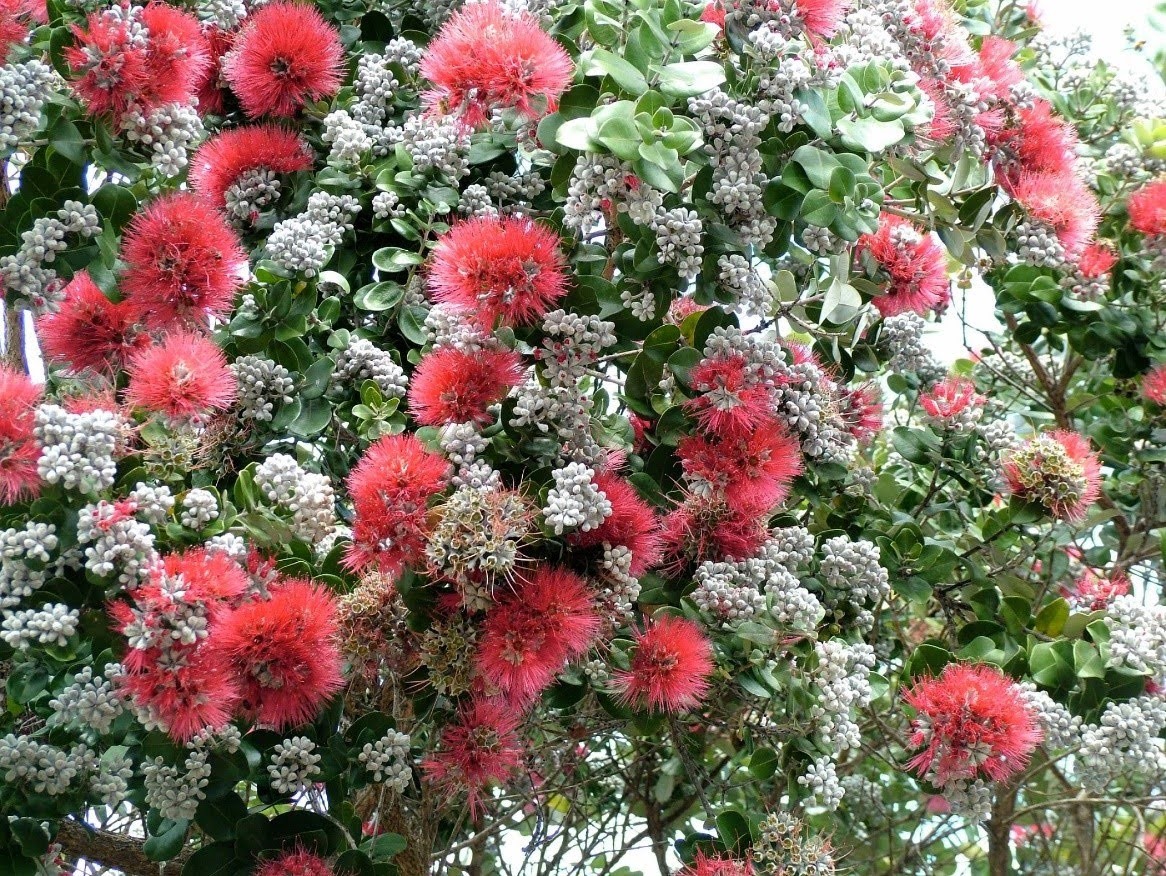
(621, 137)
(315, 415)
(690, 78)
(1051, 619)
(217, 859)
(168, 844)
(578, 134)
(378, 296)
(733, 829)
(927, 660)
(603, 63)
(869, 134)
(763, 763)
(218, 817)
(383, 846)
(392, 258)
(411, 322)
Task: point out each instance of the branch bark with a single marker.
(113, 850)
(1000, 832)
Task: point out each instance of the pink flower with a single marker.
(507, 268)
(184, 376)
(1096, 592)
(703, 865)
(183, 262)
(454, 386)
(708, 528)
(391, 487)
(211, 90)
(299, 862)
(1155, 848)
(670, 668)
(116, 68)
(1057, 470)
(1062, 202)
(533, 630)
(862, 411)
(180, 679)
(15, 25)
(487, 58)
(1154, 385)
(19, 451)
(951, 397)
(1040, 144)
(1097, 260)
(732, 403)
(480, 747)
(225, 157)
(915, 264)
(822, 17)
(1147, 208)
(284, 653)
(88, 330)
(754, 471)
(284, 57)
(971, 723)
(633, 524)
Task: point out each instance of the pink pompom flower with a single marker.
(1057, 470)
(487, 58)
(670, 668)
(88, 330)
(456, 386)
(533, 630)
(184, 376)
(284, 57)
(1154, 385)
(183, 262)
(298, 862)
(479, 748)
(19, 451)
(229, 155)
(971, 723)
(492, 268)
(915, 264)
(284, 653)
(391, 487)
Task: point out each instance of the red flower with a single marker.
(703, 865)
(915, 263)
(1147, 208)
(972, 722)
(1096, 592)
(533, 630)
(183, 262)
(754, 471)
(714, 13)
(499, 267)
(632, 524)
(222, 159)
(211, 89)
(285, 56)
(822, 17)
(184, 376)
(732, 403)
(89, 330)
(1154, 385)
(1097, 260)
(391, 487)
(703, 529)
(1065, 204)
(284, 653)
(1042, 143)
(998, 68)
(19, 452)
(480, 747)
(670, 668)
(950, 397)
(174, 673)
(486, 58)
(117, 65)
(295, 863)
(15, 24)
(862, 410)
(454, 386)
(1059, 471)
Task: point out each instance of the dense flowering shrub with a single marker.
(500, 437)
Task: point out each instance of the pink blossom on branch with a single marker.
(19, 451)
(915, 264)
(88, 330)
(971, 722)
(183, 376)
(456, 386)
(486, 58)
(670, 667)
(284, 57)
(479, 748)
(1057, 470)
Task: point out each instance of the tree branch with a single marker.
(113, 850)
